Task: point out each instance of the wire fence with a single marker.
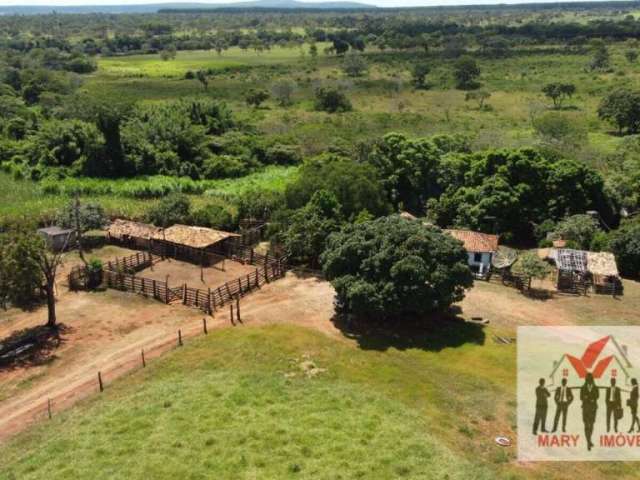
(47, 406)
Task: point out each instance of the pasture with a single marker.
(291, 394)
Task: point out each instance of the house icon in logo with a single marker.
(604, 358)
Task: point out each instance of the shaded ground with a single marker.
(179, 273)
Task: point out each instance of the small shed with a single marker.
(131, 234)
(58, 238)
(481, 247)
(201, 238)
(580, 270)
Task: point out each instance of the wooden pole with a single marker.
(211, 307)
(238, 308)
(239, 286)
(184, 293)
(179, 338)
(144, 362)
(231, 311)
(204, 325)
(49, 407)
(100, 382)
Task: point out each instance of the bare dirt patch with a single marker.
(179, 273)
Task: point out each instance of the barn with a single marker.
(130, 234)
(199, 238)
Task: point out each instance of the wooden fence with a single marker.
(133, 263)
(141, 285)
(119, 274)
(212, 299)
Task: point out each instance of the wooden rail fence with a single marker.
(120, 275)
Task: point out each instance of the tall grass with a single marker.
(130, 198)
(271, 178)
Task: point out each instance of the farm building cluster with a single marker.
(198, 257)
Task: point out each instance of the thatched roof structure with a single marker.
(475, 241)
(195, 237)
(125, 228)
(602, 263)
(596, 263)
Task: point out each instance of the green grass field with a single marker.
(237, 404)
(154, 66)
(124, 197)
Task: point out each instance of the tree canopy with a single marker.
(392, 267)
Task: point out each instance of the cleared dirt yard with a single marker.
(179, 273)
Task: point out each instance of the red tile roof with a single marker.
(475, 241)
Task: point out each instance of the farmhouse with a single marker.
(480, 247)
(201, 238)
(57, 238)
(132, 234)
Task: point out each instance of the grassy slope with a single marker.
(224, 407)
(236, 404)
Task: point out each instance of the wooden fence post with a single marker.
(204, 325)
(238, 307)
(49, 407)
(257, 278)
(179, 338)
(239, 286)
(211, 308)
(184, 294)
(231, 311)
(228, 291)
(144, 363)
(100, 382)
(251, 257)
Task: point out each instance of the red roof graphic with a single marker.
(589, 357)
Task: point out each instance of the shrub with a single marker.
(331, 100)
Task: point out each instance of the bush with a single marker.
(391, 267)
(170, 210)
(331, 100)
(216, 216)
(625, 244)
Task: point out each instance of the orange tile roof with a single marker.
(475, 241)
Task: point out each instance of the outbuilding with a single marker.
(58, 238)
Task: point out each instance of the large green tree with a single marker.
(392, 267)
(355, 185)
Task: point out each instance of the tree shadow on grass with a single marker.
(31, 346)
(434, 333)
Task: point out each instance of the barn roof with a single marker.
(475, 241)
(120, 228)
(602, 263)
(54, 231)
(195, 237)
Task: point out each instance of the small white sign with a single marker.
(578, 393)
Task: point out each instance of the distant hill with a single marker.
(155, 7)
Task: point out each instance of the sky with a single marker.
(380, 3)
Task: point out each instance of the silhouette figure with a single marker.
(613, 402)
(563, 397)
(542, 394)
(589, 397)
(632, 402)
